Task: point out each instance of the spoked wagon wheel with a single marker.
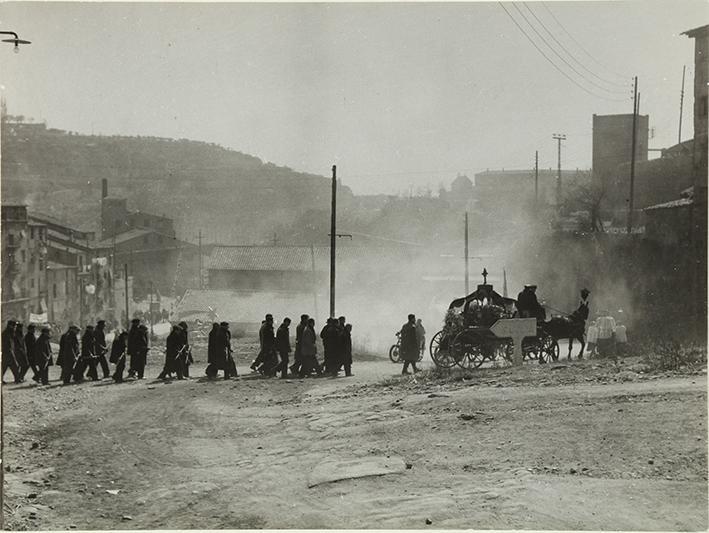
(504, 352)
(530, 348)
(467, 351)
(440, 351)
(548, 350)
(394, 353)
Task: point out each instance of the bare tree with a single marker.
(587, 196)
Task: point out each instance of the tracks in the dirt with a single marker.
(235, 454)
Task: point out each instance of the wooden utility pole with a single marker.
(150, 313)
(681, 104)
(467, 289)
(536, 177)
(201, 284)
(315, 281)
(631, 200)
(333, 237)
(125, 275)
(559, 137)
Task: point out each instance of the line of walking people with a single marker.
(275, 349)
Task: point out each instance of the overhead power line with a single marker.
(558, 54)
(620, 76)
(562, 72)
(580, 63)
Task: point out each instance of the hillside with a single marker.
(229, 196)
(200, 185)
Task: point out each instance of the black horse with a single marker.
(569, 327)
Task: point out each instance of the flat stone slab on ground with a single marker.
(336, 470)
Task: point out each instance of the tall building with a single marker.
(701, 90)
(24, 262)
(613, 140)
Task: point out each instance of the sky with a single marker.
(400, 96)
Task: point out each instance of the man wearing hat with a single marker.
(267, 338)
(295, 367)
(527, 303)
(87, 361)
(134, 343)
(21, 355)
(143, 347)
(187, 359)
(224, 359)
(29, 342)
(212, 355)
(68, 353)
(8, 351)
(101, 348)
(118, 355)
(43, 356)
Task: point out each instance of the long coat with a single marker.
(283, 340)
(68, 350)
(222, 347)
(30, 340)
(409, 349)
(307, 343)
(21, 354)
(118, 347)
(212, 345)
(43, 351)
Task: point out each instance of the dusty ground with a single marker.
(585, 445)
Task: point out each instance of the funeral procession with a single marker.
(354, 265)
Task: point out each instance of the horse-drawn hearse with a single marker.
(468, 341)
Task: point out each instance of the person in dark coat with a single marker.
(132, 343)
(187, 359)
(88, 360)
(8, 351)
(309, 351)
(339, 348)
(29, 342)
(174, 351)
(330, 337)
(409, 348)
(43, 356)
(269, 358)
(137, 348)
(346, 347)
(118, 355)
(283, 347)
(527, 304)
(69, 354)
(267, 346)
(295, 368)
(223, 350)
(101, 347)
(143, 350)
(21, 355)
(212, 356)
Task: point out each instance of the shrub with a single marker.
(674, 355)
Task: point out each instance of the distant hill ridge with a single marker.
(33, 150)
(198, 184)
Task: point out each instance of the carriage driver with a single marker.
(527, 304)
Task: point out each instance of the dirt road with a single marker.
(565, 448)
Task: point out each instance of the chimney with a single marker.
(104, 188)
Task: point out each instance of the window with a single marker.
(31, 233)
(10, 239)
(23, 256)
(54, 290)
(31, 283)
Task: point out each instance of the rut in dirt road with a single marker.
(243, 454)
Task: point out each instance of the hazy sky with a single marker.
(397, 95)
